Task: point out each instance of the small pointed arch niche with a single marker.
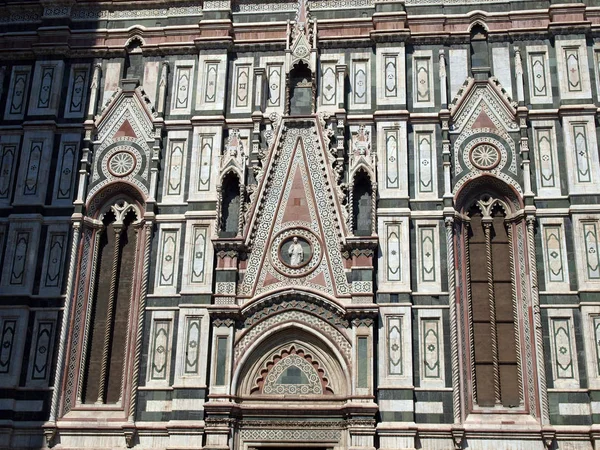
(362, 203)
(480, 57)
(230, 205)
(301, 90)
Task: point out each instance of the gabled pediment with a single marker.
(499, 107)
(129, 114)
(296, 204)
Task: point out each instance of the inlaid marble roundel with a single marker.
(295, 252)
(485, 156)
(121, 164)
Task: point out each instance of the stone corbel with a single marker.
(129, 431)
(549, 436)
(458, 437)
(50, 431)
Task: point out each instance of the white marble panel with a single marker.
(18, 93)
(167, 261)
(502, 71)
(182, 82)
(556, 267)
(581, 154)
(573, 70)
(391, 75)
(9, 154)
(174, 167)
(545, 155)
(20, 261)
(192, 349)
(204, 168)
(112, 76)
(198, 268)
(459, 70)
(66, 170)
(150, 84)
(79, 86)
(539, 74)
(243, 80)
(34, 170)
(55, 258)
(212, 79)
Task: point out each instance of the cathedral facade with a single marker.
(273, 224)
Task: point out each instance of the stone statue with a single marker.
(296, 253)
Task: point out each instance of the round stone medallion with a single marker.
(485, 156)
(121, 164)
(295, 252)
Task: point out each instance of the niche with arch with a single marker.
(301, 90)
(230, 206)
(362, 205)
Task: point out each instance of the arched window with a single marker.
(480, 57)
(112, 293)
(230, 206)
(494, 299)
(301, 90)
(362, 205)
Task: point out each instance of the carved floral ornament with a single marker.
(485, 156)
(292, 372)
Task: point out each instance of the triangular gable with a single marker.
(501, 110)
(295, 198)
(128, 114)
(482, 112)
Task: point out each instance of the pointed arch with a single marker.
(494, 298)
(362, 202)
(110, 287)
(280, 339)
(230, 204)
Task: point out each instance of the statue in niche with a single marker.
(296, 253)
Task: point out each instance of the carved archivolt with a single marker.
(275, 379)
(317, 370)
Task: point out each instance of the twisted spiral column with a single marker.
(351, 208)
(513, 286)
(449, 222)
(110, 312)
(537, 320)
(93, 256)
(241, 210)
(470, 314)
(136, 229)
(140, 324)
(60, 362)
(374, 208)
(487, 226)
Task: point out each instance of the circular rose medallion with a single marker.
(296, 252)
(485, 156)
(121, 164)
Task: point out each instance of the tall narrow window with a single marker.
(301, 90)
(491, 237)
(480, 57)
(496, 364)
(112, 293)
